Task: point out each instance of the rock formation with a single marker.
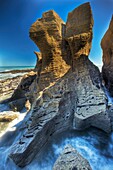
(70, 159)
(69, 88)
(22, 93)
(47, 34)
(79, 31)
(107, 46)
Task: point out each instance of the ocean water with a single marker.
(93, 144)
(6, 75)
(9, 68)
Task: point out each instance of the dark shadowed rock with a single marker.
(107, 47)
(22, 92)
(70, 159)
(79, 31)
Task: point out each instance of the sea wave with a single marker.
(10, 75)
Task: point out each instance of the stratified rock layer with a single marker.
(70, 159)
(70, 98)
(107, 46)
(47, 34)
(79, 31)
(74, 102)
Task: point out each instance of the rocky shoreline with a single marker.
(8, 85)
(65, 93)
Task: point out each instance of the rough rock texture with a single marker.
(39, 62)
(8, 117)
(47, 34)
(8, 86)
(74, 101)
(22, 92)
(79, 31)
(107, 46)
(70, 159)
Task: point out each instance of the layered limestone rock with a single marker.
(107, 47)
(74, 101)
(47, 34)
(79, 31)
(70, 159)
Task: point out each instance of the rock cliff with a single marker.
(107, 46)
(69, 88)
(70, 159)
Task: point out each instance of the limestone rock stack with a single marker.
(107, 47)
(76, 99)
(47, 33)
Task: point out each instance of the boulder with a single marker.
(70, 159)
(107, 47)
(17, 105)
(8, 116)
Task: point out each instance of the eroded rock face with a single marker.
(74, 101)
(47, 34)
(79, 31)
(22, 92)
(107, 47)
(70, 159)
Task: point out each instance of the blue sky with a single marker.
(16, 17)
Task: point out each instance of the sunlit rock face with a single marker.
(107, 47)
(47, 33)
(75, 100)
(70, 159)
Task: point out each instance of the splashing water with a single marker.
(93, 144)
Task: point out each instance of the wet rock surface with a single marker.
(8, 117)
(70, 159)
(107, 47)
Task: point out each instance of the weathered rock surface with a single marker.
(8, 116)
(74, 102)
(107, 46)
(47, 34)
(79, 31)
(8, 86)
(22, 93)
(70, 98)
(70, 159)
